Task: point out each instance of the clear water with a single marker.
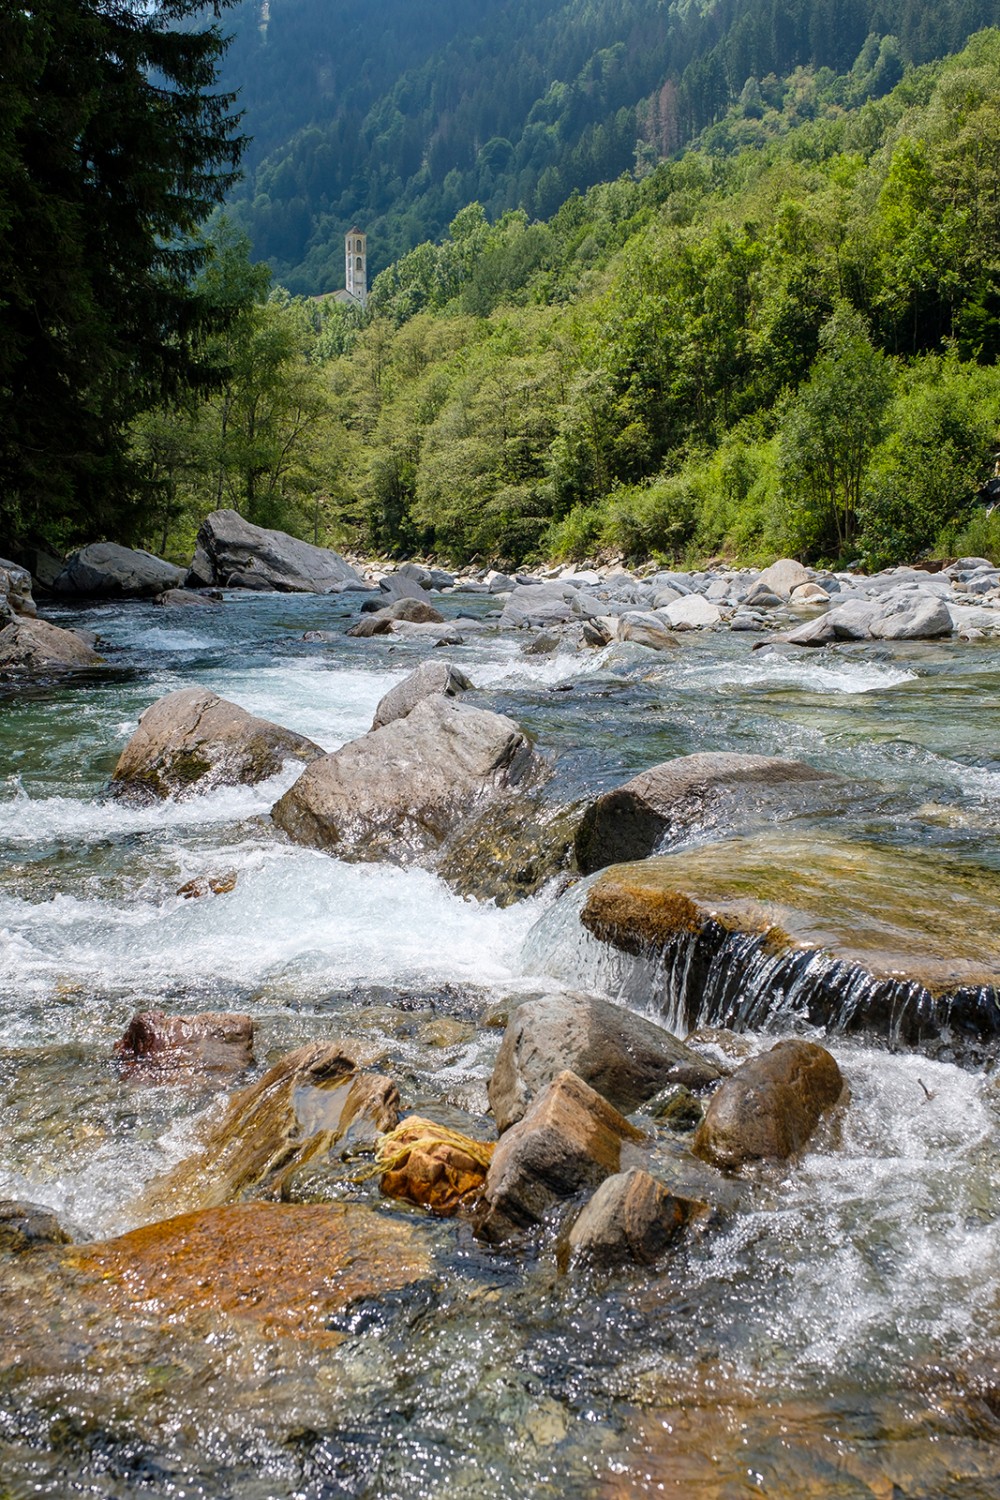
(840, 1336)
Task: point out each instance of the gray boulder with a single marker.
(402, 586)
(694, 791)
(28, 1226)
(193, 740)
(645, 629)
(538, 604)
(405, 609)
(693, 613)
(783, 577)
(624, 1057)
(912, 617)
(430, 677)
(28, 645)
(630, 1218)
(103, 570)
(232, 553)
(15, 590)
(400, 791)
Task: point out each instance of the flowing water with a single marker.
(838, 1336)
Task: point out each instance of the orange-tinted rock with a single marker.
(433, 1166)
(212, 1042)
(631, 1217)
(284, 1267)
(770, 1106)
(297, 1112)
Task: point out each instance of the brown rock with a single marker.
(29, 645)
(309, 1101)
(569, 1139)
(193, 740)
(427, 1163)
(212, 1042)
(631, 1217)
(208, 885)
(26, 1226)
(770, 1106)
(430, 677)
(624, 1057)
(411, 611)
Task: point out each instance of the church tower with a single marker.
(356, 265)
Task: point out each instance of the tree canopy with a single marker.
(115, 144)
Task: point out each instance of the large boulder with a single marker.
(770, 1106)
(233, 553)
(104, 570)
(782, 578)
(644, 629)
(631, 1217)
(193, 740)
(571, 1138)
(693, 612)
(429, 678)
(672, 800)
(28, 645)
(624, 1057)
(404, 610)
(912, 616)
(15, 590)
(399, 792)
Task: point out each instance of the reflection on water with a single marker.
(839, 1336)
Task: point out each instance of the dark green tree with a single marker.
(115, 144)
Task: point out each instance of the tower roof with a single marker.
(355, 230)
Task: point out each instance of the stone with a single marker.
(809, 593)
(852, 620)
(693, 612)
(156, 1045)
(690, 793)
(192, 741)
(911, 618)
(782, 577)
(15, 588)
(596, 633)
(544, 643)
(429, 678)
(184, 597)
(624, 1057)
(28, 1226)
(770, 1107)
(630, 1218)
(208, 885)
(428, 1164)
(818, 632)
(400, 791)
(104, 570)
(678, 1109)
(233, 553)
(405, 608)
(644, 630)
(538, 604)
(28, 645)
(570, 1139)
(403, 586)
(312, 1100)
(511, 848)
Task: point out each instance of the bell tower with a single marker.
(356, 265)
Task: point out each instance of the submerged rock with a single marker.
(28, 645)
(104, 570)
(511, 849)
(770, 1106)
(429, 678)
(193, 740)
(157, 1045)
(624, 1057)
(28, 1226)
(570, 1138)
(233, 553)
(400, 791)
(296, 1113)
(691, 793)
(631, 1217)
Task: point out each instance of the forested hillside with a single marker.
(786, 348)
(398, 116)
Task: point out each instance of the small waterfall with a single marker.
(739, 980)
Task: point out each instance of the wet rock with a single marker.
(104, 570)
(404, 609)
(35, 646)
(28, 1226)
(232, 553)
(770, 1106)
(511, 849)
(428, 1164)
(208, 885)
(185, 597)
(286, 1269)
(158, 1045)
(678, 1109)
(624, 1057)
(538, 604)
(15, 590)
(645, 630)
(398, 792)
(631, 1217)
(193, 740)
(596, 633)
(312, 1100)
(545, 642)
(429, 678)
(570, 1138)
(692, 792)
(403, 585)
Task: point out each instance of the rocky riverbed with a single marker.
(596, 1085)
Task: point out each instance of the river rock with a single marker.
(15, 590)
(411, 610)
(193, 741)
(631, 1217)
(400, 791)
(427, 1164)
(781, 578)
(693, 613)
(511, 848)
(311, 1100)
(233, 553)
(181, 598)
(156, 1044)
(429, 678)
(403, 585)
(624, 1057)
(104, 570)
(690, 793)
(538, 604)
(28, 645)
(28, 1226)
(570, 1138)
(770, 1106)
(911, 617)
(644, 629)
